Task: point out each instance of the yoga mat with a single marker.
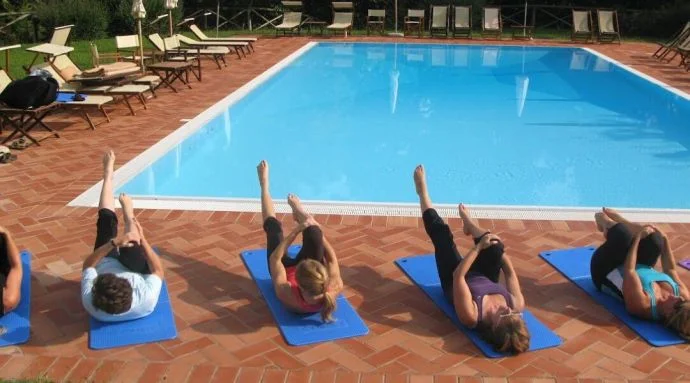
(422, 271)
(302, 329)
(685, 263)
(15, 326)
(574, 265)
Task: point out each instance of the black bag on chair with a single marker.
(30, 92)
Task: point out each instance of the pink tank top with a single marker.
(292, 280)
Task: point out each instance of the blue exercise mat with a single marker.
(574, 265)
(156, 327)
(421, 270)
(302, 329)
(15, 326)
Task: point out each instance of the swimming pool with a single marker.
(345, 124)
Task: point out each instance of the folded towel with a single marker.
(95, 72)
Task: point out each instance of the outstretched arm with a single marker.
(668, 264)
(462, 297)
(512, 283)
(632, 286)
(276, 268)
(12, 292)
(152, 258)
(336, 282)
(120, 241)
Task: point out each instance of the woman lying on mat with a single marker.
(623, 266)
(470, 283)
(10, 272)
(310, 282)
(123, 277)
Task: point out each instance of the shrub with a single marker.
(89, 17)
(122, 22)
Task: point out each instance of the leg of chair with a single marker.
(129, 106)
(86, 117)
(105, 114)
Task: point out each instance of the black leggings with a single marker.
(312, 242)
(132, 258)
(4, 269)
(487, 263)
(613, 252)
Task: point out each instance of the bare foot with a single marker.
(298, 212)
(108, 163)
(612, 214)
(262, 170)
(599, 218)
(127, 206)
(420, 180)
(466, 220)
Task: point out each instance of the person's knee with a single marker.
(10, 300)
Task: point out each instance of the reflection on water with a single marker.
(490, 56)
(438, 56)
(461, 56)
(227, 128)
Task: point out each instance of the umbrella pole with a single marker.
(141, 46)
(217, 17)
(396, 15)
(524, 23)
(170, 22)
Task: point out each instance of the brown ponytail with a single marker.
(313, 278)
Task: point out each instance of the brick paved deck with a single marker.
(226, 332)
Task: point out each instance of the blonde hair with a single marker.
(510, 335)
(312, 277)
(679, 320)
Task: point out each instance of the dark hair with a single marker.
(679, 319)
(112, 294)
(510, 335)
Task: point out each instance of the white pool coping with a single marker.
(90, 197)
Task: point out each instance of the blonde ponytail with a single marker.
(313, 278)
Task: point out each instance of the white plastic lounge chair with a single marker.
(439, 20)
(677, 39)
(492, 23)
(608, 26)
(217, 54)
(186, 55)
(291, 22)
(376, 19)
(342, 21)
(414, 21)
(127, 48)
(462, 21)
(201, 36)
(582, 26)
(238, 46)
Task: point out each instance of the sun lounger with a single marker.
(127, 49)
(61, 35)
(291, 22)
(414, 21)
(607, 22)
(439, 19)
(582, 26)
(177, 55)
(217, 54)
(462, 21)
(201, 36)
(342, 20)
(492, 25)
(677, 39)
(376, 19)
(241, 47)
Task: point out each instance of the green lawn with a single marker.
(82, 53)
(36, 380)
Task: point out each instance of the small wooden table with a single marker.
(169, 71)
(522, 32)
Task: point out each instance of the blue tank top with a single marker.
(649, 276)
(480, 286)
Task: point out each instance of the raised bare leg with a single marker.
(469, 225)
(298, 213)
(128, 213)
(615, 216)
(420, 185)
(267, 209)
(107, 200)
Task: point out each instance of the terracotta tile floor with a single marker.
(226, 332)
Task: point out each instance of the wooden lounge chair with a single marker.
(61, 35)
(342, 19)
(607, 22)
(439, 20)
(127, 49)
(376, 19)
(241, 48)
(201, 36)
(582, 26)
(414, 21)
(492, 24)
(217, 54)
(678, 38)
(179, 55)
(292, 18)
(462, 21)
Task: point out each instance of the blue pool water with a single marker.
(493, 125)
